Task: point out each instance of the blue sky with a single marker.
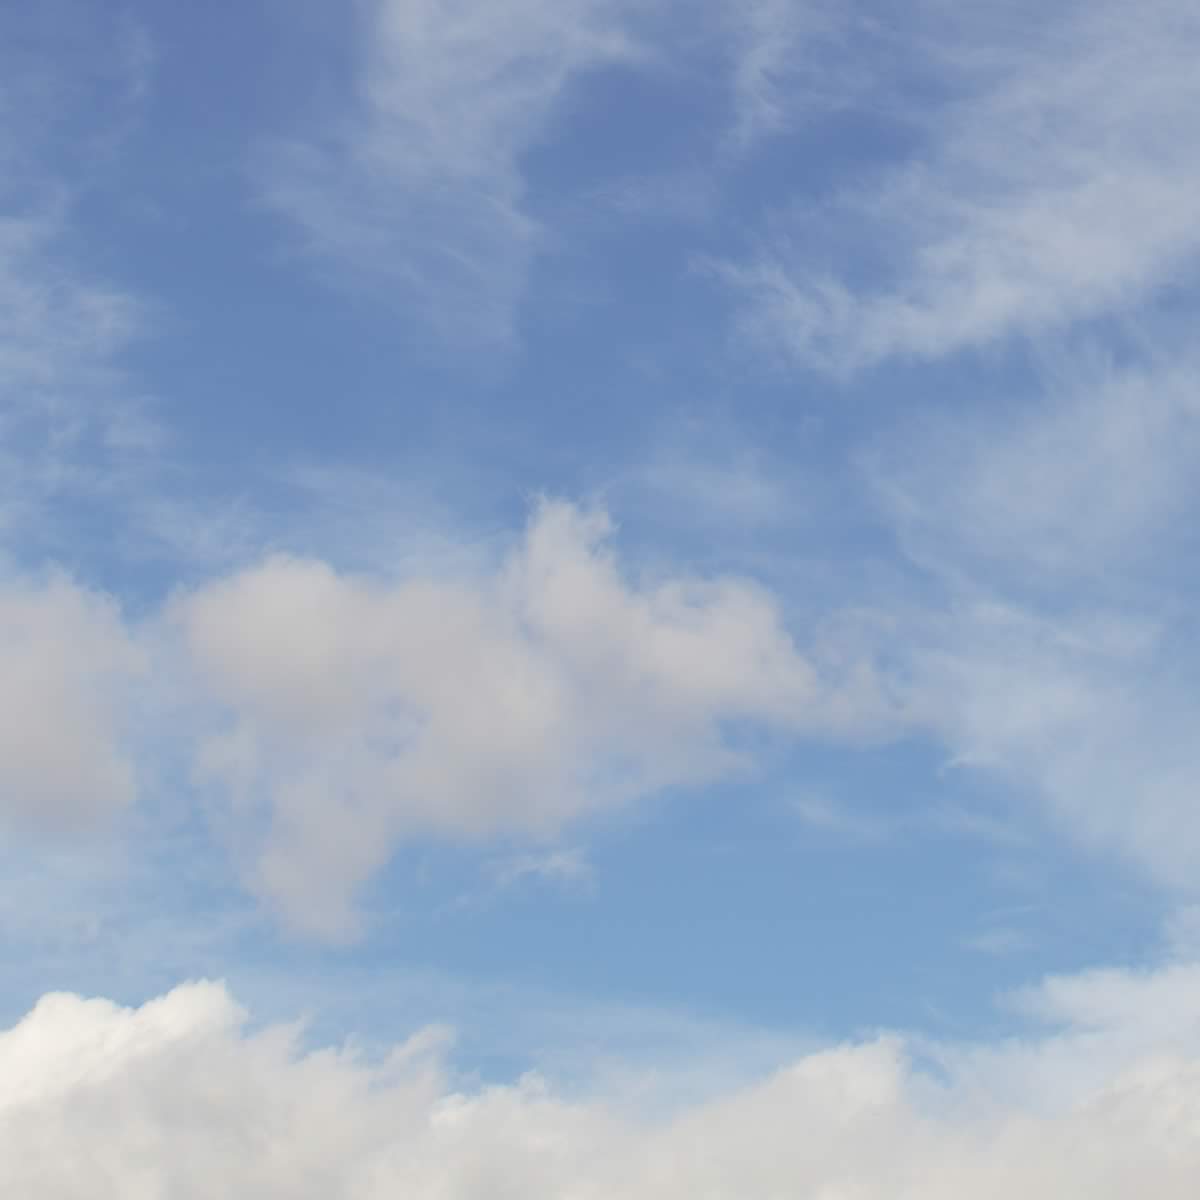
(657, 538)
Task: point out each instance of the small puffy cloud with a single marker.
(363, 711)
(68, 664)
(178, 1098)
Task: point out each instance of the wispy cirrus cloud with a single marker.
(1080, 477)
(782, 65)
(418, 190)
(1048, 540)
(70, 419)
(68, 415)
(1054, 186)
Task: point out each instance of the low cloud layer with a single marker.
(179, 1098)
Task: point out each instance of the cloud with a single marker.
(1103, 1025)
(1047, 643)
(58, 328)
(1083, 477)
(1087, 713)
(999, 940)
(564, 866)
(178, 1096)
(70, 428)
(1054, 187)
(69, 662)
(363, 711)
(822, 816)
(67, 423)
(421, 187)
(781, 65)
(71, 425)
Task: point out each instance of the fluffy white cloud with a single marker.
(68, 664)
(177, 1098)
(1056, 185)
(364, 711)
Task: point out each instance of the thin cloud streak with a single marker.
(1055, 187)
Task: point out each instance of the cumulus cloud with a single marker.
(69, 661)
(178, 1097)
(1055, 186)
(362, 711)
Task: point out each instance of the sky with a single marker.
(596, 600)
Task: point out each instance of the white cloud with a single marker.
(1104, 1024)
(1056, 185)
(365, 711)
(421, 189)
(177, 1098)
(68, 664)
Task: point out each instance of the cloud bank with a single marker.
(180, 1098)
